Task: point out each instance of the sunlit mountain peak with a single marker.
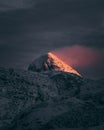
(50, 62)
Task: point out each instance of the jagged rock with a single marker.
(52, 96)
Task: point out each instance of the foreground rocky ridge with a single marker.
(49, 101)
(50, 95)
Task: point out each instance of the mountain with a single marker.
(21, 90)
(49, 99)
(50, 62)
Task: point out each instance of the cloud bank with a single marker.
(29, 28)
(86, 59)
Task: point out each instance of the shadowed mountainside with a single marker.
(50, 99)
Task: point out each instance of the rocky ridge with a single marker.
(50, 98)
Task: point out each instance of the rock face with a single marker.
(50, 97)
(21, 90)
(51, 62)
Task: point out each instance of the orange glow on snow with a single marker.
(63, 66)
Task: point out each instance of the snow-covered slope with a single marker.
(20, 90)
(54, 100)
(50, 62)
(52, 96)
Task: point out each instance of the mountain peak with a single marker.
(50, 62)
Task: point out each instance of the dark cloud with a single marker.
(7, 5)
(29, 28)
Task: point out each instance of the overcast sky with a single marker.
(29, 28)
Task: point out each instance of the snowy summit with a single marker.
(50, 62)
